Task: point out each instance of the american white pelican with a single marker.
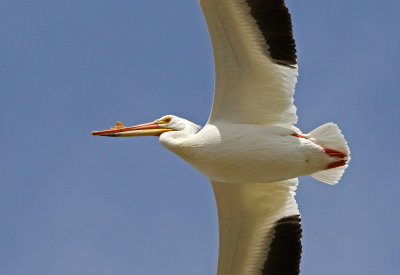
(249, 148)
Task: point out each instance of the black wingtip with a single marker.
(284, 255)
(275, 22)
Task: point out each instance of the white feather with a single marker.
(247, 214)
(249, 86)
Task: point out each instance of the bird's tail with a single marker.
(330, 137)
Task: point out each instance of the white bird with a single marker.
(249, 149)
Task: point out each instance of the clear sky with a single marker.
(71, 203)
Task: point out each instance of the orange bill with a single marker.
(119, 130)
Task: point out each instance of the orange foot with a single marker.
(330, 152)
(338, 154)
(336, 164)
(334, 153)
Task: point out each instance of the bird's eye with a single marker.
(166, 120)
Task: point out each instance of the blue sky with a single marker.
(71, 203)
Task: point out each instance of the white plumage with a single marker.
(249, 86)
(228, 152)
(249, 148)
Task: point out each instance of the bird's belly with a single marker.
(274, 160)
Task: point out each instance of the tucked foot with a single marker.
(330, 152)
(336, 164)
(334, 153)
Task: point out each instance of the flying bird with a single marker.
(250, 149)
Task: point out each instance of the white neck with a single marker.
(173, 139)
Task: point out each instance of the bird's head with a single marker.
(164, 124)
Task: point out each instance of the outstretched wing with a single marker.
(259, 228)
(255, 61)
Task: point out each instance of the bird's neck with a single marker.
(172, 140)
(246, 214)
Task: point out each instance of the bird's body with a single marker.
(254, 154)
(249, 149)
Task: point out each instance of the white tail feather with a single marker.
(330, 136)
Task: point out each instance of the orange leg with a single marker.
(334, 153)
(336, 164)
(331, 153)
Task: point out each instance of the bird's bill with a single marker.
(147, 129)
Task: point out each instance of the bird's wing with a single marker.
(255, 61)
(260, 228)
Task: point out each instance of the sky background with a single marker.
(71, 203)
